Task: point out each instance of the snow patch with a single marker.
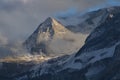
(111, 15)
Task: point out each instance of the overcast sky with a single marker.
(19, 18)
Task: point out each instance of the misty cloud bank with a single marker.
(3, 40)
(19, 18)
(10, 49)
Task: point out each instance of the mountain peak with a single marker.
(49, 23)
(49, 19)
(46, 37)
(53, 24)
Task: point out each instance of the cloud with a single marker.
(83, 6)
(67, 13)
(19, 18)
(4, 51)
(3, 40)
(10, 49)
(86, 4)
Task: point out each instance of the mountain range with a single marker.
(59, 36)
(97, 58)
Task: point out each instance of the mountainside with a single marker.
(51, 38)
(98, 59)
(64, 35)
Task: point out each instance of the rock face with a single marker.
(51, 38)
(98, 59)
(105, 35)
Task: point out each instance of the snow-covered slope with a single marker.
(98, 59)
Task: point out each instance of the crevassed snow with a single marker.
(71, 64)
(90, 57)
(97, 54)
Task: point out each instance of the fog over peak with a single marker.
(19, 18)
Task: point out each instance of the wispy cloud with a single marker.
(3, 40)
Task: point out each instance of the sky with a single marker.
(19, 18)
